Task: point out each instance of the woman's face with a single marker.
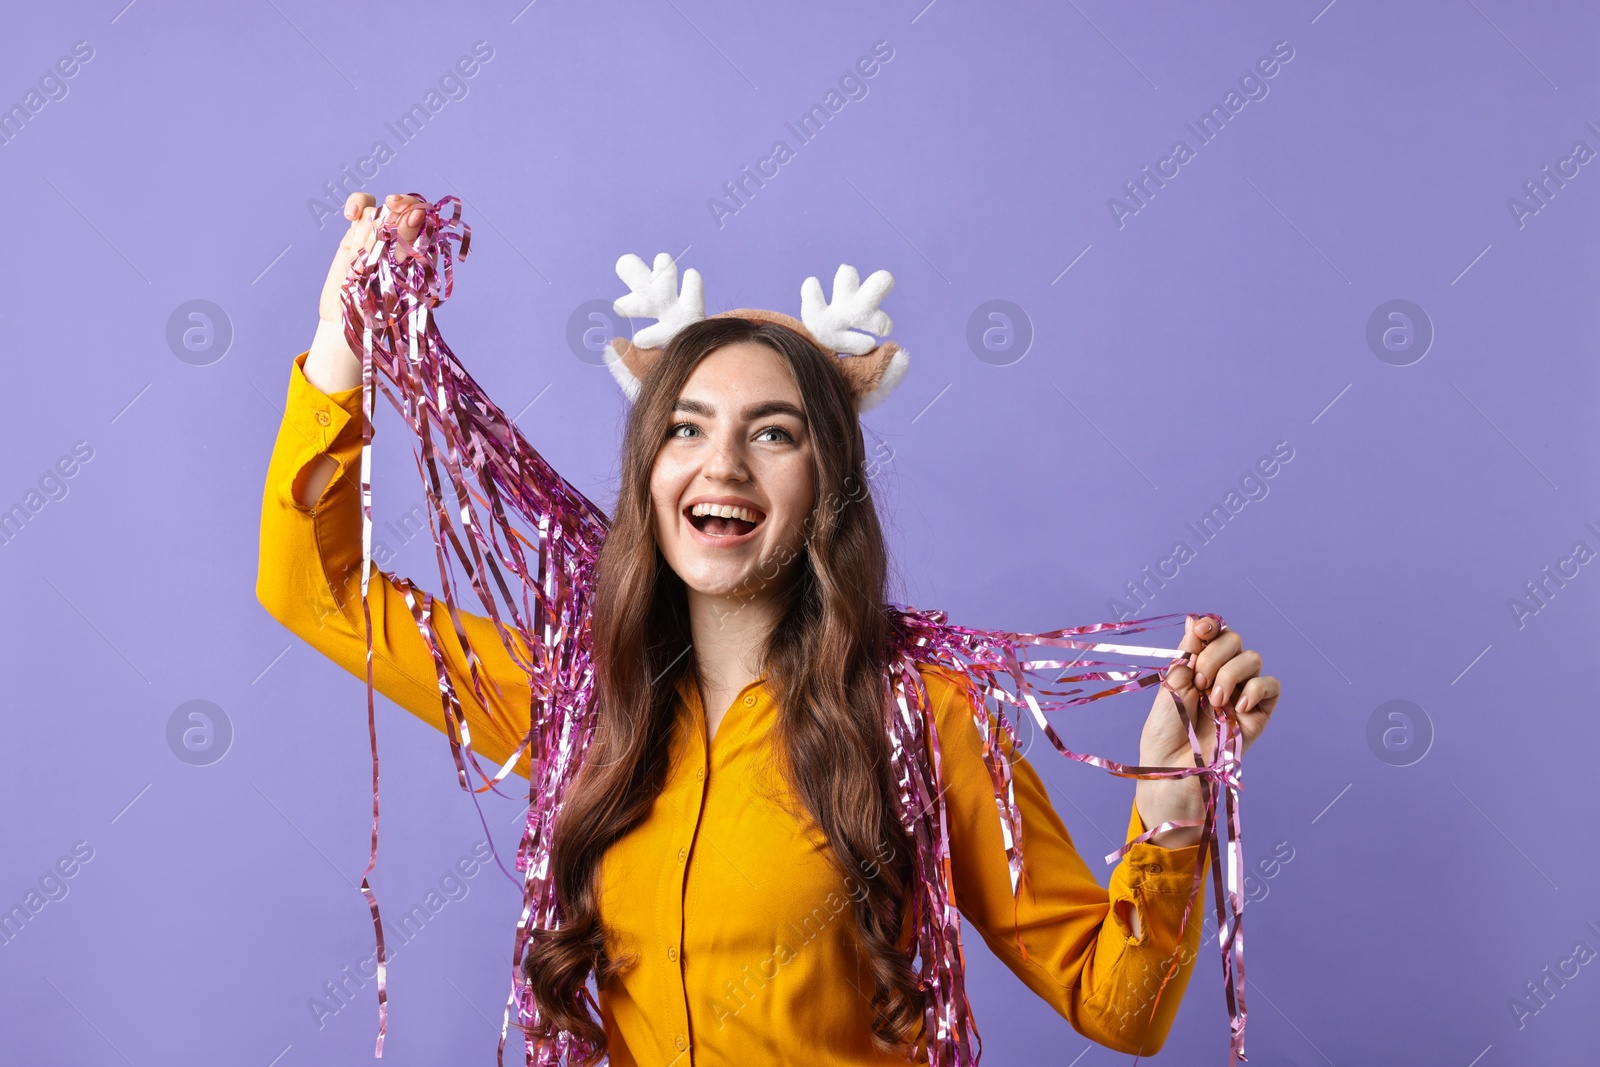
(739, 442)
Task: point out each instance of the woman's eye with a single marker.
(676, 431)
(783, 435)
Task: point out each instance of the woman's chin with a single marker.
(748, 568)
(723, 581)
(725, 578)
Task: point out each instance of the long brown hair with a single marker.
(824, 660)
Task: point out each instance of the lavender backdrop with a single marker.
(1378, 259)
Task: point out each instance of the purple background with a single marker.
(1229, 313)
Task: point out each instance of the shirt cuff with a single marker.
(322, 418)
(1158, 879)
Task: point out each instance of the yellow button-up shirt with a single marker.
(741, 932)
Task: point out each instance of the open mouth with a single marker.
(724, 520)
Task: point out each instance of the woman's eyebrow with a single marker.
(773, 407)
(759, 410)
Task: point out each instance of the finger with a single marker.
(356, 243)
(1180, 676)
(362, 221)
(408, 209)
(355, 203)
(354, 239)
(1180, 680)
(366, 227)
(1218, 651)
(1260, 694)
(1197, 630)
(1233, 674)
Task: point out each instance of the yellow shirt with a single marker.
(743, 933)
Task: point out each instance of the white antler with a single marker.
(854, 308)
(654, 294)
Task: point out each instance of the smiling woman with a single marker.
(749, 416)
(762, 775)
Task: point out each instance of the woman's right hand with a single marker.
(332, 367)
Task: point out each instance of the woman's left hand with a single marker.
(1231, 677)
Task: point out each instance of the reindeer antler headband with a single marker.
(842, 328)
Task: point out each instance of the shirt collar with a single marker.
(689, 689)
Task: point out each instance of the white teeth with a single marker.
(726, 511)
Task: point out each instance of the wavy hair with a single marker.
(824, 658)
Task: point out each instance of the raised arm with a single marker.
(309, 579)
(1084, 954)
(309, 571)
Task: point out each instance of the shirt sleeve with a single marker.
(1081, 957)
(309, 579)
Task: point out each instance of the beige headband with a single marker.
(842, 328)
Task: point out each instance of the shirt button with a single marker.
(683, 1042)
(1154, 868)
(322, 417)
(750, 702)
(672, 952)
(701, 773)
(682, 854)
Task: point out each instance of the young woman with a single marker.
(729, 863)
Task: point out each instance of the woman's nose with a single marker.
(727, 461)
